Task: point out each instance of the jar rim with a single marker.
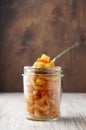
(56, 68)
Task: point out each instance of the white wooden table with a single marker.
(73, 113)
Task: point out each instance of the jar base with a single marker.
(45, 119)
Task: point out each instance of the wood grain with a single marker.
(29, 28)
(73, 113)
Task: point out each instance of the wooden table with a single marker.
(73, 113)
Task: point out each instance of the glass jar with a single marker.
(42, 92)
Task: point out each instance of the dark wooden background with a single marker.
(29, 28)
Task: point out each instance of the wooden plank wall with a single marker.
(29, 28)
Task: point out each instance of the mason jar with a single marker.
(42, 92)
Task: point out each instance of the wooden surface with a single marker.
(73, 113)
(29, 28)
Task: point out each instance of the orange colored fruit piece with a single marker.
(39, 60)
(49, 65)
(45, 58)
(39, 65)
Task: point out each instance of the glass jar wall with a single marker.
(42, 92)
